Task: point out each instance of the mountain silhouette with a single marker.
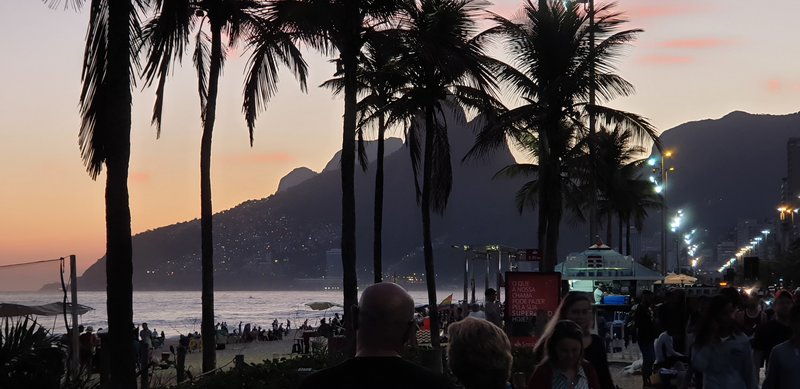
(267, 243)
(726, 169)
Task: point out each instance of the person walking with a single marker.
(645, 327)
(783, 371)
(384, 322)
(774, 331)
(721, 352)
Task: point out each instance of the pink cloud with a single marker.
(139, 177)
(693, 43)
(655, 11)
(774, 85)
(665, 60)
(277, 157)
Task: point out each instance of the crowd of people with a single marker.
(719, 342)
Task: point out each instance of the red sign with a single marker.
(531, 300)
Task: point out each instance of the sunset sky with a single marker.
(696, 59)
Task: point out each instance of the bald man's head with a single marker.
(385, 317)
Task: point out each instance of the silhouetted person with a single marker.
(784, 360)
(385, 321)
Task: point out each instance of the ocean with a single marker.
(179, 312)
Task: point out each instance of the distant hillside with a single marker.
(267, 243)
(726, 169)
(729, 168)
(294, 178)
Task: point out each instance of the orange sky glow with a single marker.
(695, 60)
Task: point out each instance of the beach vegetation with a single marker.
(30, 356)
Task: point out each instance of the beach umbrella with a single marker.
(678, 279)
(322, 305)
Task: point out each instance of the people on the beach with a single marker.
(87, 345)
(492, 308)
(563, 365)
(479, 354)
(384, 323)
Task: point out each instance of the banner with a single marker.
(528, 260)
(531, 300)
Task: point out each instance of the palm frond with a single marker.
(202, 59)
(271, 46)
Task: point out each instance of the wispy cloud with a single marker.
(139, 177)
(665, 60)
(701, 43)
(639, 12)
(277, 157)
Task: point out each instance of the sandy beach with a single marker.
(254, 352)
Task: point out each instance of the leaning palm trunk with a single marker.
(377, 266)
(349, 56)
(119, 252)
(425, 204)
(206, 212)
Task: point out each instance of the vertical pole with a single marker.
(592, 128)
(499, 268)
(73, 285)
(466, 274)
(664, 176)
(488, 270)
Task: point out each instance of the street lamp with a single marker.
(660, 187)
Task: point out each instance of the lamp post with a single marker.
(661, 189)
(592, 118)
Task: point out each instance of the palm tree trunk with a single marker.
(119, 252)
(619, 230)
(609, 226)
(628, 235)
(206, 212)
(430, 274)
(349, 55)
(377, 267)
(554, 207)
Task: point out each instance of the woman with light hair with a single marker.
(479, 354)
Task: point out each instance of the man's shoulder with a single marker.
(361, 372)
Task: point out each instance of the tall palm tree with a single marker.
(617, 173)
(166, 38)
(341, 26)
(379, 80)
(550, 72)
(105, 138)
(444, 66)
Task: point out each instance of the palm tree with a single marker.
(444, 66)
(379, 79)
(617, 173)
(166, 38)
(550, 72)
(342, 26)
(104, 138)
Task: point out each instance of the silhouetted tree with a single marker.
(341, 26)
(166, 38)
(105, 139)
(550, 71)
(445, 67)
